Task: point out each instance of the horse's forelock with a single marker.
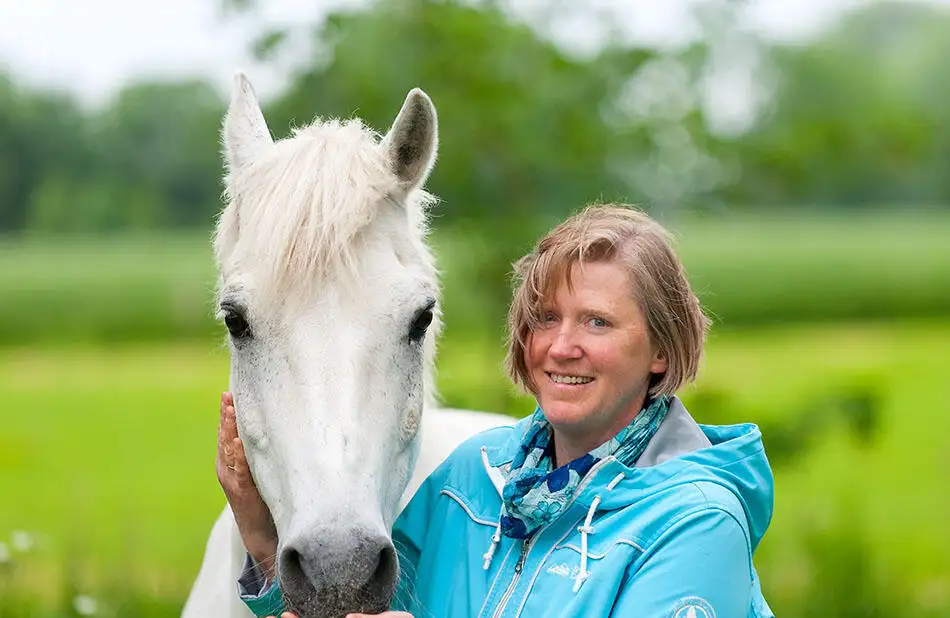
(296, 214)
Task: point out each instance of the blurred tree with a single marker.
(39, 133)
(529, 131)
(97, 203)
(161, 140)
(149, 159)
(859, 117)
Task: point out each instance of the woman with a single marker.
(609, 499)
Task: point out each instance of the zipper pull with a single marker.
(524, 554)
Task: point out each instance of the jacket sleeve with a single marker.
(701, 566)
(409, 537)
(263, 598)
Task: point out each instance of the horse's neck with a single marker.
(444, 429)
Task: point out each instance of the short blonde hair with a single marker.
(676, 323)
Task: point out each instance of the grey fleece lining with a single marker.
(677, 435)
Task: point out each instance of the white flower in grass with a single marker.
(85, 605)
(22, 541)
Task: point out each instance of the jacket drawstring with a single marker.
(495, 540)
(587, 530)
(498, 480)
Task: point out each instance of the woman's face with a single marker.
(591, 358)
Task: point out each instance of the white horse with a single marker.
(330, 296)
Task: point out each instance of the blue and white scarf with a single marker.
(535, 493)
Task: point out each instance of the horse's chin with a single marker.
(333, 603)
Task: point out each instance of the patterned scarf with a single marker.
(534, 493)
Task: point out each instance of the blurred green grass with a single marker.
(107, 452)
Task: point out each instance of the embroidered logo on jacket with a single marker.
(563, 570)
(693, 607)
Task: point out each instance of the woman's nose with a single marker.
(564, 346)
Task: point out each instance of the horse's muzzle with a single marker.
(332, 573)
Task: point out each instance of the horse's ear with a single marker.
(412, 142)
(245, 131)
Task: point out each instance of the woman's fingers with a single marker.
(383, 615)
(241, 470)
(219, 463)
(251, 514)
(226, 463)
(221, 425)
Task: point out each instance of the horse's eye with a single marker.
(421, 323)
(237, 324)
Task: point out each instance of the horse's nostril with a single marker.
(291, 568)
(386, 570)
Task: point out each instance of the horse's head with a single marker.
(329, 296)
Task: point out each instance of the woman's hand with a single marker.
(252, 516)
(383, 615)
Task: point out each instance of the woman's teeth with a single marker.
(558, 379)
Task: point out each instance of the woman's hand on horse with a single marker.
(252, 516)
(383, 615)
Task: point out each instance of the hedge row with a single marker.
(746, 272)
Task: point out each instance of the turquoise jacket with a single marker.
(671, 537)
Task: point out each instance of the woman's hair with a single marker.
(675, 321)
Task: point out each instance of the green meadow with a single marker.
(111, 367)
(107, 454)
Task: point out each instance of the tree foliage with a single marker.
(857, 118)
(521, 124)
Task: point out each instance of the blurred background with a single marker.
(799, 150)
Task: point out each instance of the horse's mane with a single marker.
(298, 210)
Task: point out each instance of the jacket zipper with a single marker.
(527, 545)
(514, 581)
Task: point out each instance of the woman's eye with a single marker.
(598, 323)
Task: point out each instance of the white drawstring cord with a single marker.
(495, 540)
(498, 480)
(586, 530)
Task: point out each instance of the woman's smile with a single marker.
(569, 380)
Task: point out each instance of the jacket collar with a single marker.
(678, 435)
